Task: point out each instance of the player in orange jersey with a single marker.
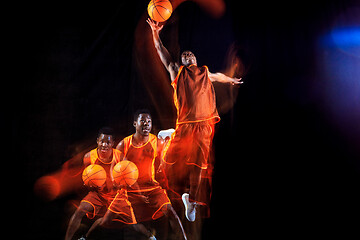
(194, 97)
(106, 196)
(148, 198)
(115, 198)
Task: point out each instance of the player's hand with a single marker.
(93, 188)
(154, 25)
(145, 199)
(237, 81)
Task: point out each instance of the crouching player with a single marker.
(148, 199)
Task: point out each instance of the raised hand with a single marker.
(154, 25)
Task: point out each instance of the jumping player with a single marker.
(188, 150)
(116, 201)
(148, 198)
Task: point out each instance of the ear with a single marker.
(134, 124)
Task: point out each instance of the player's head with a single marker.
(188, 58)
(143, 122)
(105, 141)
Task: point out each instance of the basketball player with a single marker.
(116, 201)
(104, 155)
(148, 198)
(188, 150)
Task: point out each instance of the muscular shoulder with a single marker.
(120, 146)
(86, 159)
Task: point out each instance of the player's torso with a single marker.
(194, 95)
(94, 158)
(144, 157)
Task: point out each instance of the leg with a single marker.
(189, 199)
(174, 219)
(105, 221)
(76, 219)
(142, 229)
(93, 226)
(203, 135)
(195, 181)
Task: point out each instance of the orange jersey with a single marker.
(144, 158)
(94, 159)
(194, 95)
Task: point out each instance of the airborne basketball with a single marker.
(159, 10)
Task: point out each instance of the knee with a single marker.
(78, 214)
(106, 220)
(165, 209)
(82, 210)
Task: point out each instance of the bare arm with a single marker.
(120, 147)
(163, 53)
(222, 78)
(86, 159)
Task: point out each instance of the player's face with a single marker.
(105, 143)
(143, 124)
(188, 58)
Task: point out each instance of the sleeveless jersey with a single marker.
(144, 158)
(94, 159)
(194, 95)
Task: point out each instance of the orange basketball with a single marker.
(159, 10)
(125, 173)
(94, 175)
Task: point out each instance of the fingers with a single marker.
(237, 81)
(149, 21)
(154, 25)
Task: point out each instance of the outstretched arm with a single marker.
(163, 53)
(220, 77)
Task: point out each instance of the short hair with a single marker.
(141, 111)
(106, 131)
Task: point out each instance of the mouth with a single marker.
(104, 149)
(146, 130)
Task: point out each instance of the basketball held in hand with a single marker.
(125, 173)
(94, 175)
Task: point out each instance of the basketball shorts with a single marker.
(147, 205)
(190, 144)
(116, 201)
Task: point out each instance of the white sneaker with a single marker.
(152, 237)
(190, 208)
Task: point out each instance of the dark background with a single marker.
(288, 150)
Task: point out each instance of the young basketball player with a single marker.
(105, 156)
(194, 97)
(148, 198)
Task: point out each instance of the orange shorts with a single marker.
(147, 205)
(116, 201)
(191, 144)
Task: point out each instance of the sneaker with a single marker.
(82, 238)
(190, 210)
(152, 237)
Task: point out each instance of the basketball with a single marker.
(125, 173)
(94, 175)
(47, 188)
(159, 10)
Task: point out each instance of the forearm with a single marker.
(157, 41)
(161, 50)
(222, 78)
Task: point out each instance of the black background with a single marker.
(287, 157)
